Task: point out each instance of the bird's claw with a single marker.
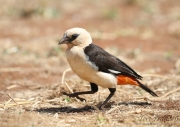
(74, 95)
(81, 99)
(64, 93)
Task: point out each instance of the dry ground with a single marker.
(145, 34)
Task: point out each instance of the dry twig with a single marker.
(64, 82)
(63, 75)
(154, 75)
(63, 79)
(12, 99)
(161, 98)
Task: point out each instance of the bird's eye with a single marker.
(74, 36)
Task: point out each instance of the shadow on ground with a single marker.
(135, 103)
(67, 109)
(86, 108)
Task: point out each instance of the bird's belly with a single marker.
(89, 72)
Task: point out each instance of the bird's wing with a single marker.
(108, 63)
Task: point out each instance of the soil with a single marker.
(144, 34)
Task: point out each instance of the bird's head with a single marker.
(76, 37)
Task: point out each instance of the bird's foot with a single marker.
(100, 107)
(74, 95)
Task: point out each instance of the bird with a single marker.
(95, 65)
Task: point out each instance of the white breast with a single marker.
(86, 70)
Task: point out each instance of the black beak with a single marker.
(63, 40)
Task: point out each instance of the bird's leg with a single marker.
(94, 89)
(112, 91)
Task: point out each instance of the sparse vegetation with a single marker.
(145, 34)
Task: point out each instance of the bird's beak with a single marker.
(63, 40)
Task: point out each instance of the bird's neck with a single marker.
(69, 46)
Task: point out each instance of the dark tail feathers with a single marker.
(147, 89)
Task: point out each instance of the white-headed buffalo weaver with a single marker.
(93, 64)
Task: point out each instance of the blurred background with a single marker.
(143, 33)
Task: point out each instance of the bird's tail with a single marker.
(147, 89)
(123, 80)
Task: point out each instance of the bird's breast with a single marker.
(80, 63)
(87, 70)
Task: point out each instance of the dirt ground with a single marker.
(144, 34)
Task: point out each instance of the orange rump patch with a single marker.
(124, 80)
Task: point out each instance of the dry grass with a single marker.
(61, 110)
(144, 34)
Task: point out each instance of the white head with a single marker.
(76, 37)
